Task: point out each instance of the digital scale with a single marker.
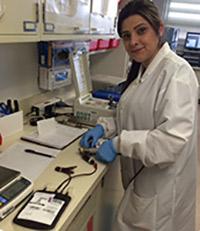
(87, 109)
(14, 188)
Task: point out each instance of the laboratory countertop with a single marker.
(80, 188)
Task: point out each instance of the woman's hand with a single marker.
(90, 138)
(106, 152)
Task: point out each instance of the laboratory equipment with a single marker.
(50, 79)
(54, 71)
(192, 41)
(171, 35)
(109, 93)
(87, 109)
(192, 48)
(43, 108)
(14, 188)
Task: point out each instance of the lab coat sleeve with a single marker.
(175, 114)
(109, 125)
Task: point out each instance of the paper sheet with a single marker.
(54, 135)
(30, 165)
(46, 126)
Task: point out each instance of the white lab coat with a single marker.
(157, 127)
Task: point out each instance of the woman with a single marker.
(155, 129)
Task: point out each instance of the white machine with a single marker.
(14, 188)
(53, 78)
(87, 109)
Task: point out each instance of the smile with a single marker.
(137, 49)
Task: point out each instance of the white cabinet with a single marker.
(110, 15)
(97, 17)
(19, 20)
(65, 16)
(102, 16)
(40, 20)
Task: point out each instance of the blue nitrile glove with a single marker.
(106, 152)
(91, 137)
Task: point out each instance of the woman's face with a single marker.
(140, 40)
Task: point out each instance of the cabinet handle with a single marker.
(79, 30)
(43, 12)
(48, 27)
(31, 26)
(98, 14)
(95, 30)
(37, 12)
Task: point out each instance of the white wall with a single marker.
(19, 76)
(18, 70)
(113, 62)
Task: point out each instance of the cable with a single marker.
(70, 177)
(67, 183)
(137, 173)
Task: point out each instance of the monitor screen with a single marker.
(192, 41)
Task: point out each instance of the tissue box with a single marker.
(10, 124)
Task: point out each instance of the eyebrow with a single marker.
(135, 28)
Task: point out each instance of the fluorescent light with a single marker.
(184, 6)
(184, 16)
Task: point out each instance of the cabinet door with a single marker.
(19, 18)
(110, 12)
(102, 17)
(87, 218)
(66, 16)
(97, 17)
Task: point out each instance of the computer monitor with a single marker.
(192, 41)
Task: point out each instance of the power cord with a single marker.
(64, 184)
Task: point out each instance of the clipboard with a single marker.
(61, 137)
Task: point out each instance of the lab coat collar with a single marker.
(164, 50)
